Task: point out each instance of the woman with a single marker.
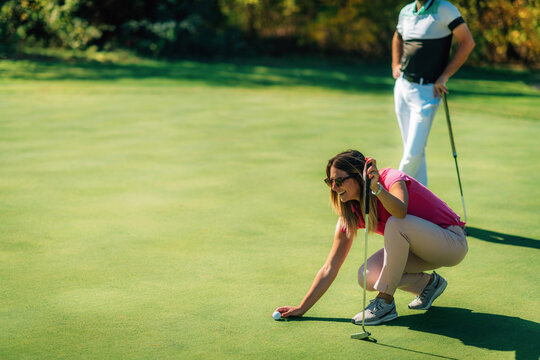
(420, 233)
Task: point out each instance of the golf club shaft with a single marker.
(454, 153)
(366, 219)
(367, 193)
(461, 192)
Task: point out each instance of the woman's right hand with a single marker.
(373, 173)
(292, 311)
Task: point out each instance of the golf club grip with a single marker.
(367, 194)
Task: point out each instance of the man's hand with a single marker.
(396, 71)
(440, 86)
(397, 52)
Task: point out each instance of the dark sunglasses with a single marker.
(337, 181)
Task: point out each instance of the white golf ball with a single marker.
(276, 315)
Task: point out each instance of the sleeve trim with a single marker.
(455, 23)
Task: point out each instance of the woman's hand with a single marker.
(373, 173)
(396, 199)
(293, 311)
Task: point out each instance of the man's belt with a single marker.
(418, 79)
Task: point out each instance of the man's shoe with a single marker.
(429, 294)
(378, 311)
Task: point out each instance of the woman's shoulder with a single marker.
(389, 176)
(391, 173)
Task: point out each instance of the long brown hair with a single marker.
(352, 162)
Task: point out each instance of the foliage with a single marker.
(46, 22)
(504, 30)
(163, 28)
(355, 26)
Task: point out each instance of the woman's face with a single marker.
(349, 189)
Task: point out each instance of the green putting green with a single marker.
(155, 210)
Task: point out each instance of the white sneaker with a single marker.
(378, 311)
(429, 294)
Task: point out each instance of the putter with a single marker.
(454, 153)
(364, 334)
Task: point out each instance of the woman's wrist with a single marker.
(378, 191)
(302, 309)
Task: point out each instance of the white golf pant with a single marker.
(416, 107)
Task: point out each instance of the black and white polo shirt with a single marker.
(427, 36)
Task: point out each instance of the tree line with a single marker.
(505, 31)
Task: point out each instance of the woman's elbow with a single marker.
(325, 271)
(401, 215)
(329, 271)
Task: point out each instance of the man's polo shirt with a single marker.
(427, 37)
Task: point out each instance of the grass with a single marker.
(164, 210)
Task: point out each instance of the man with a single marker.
(420, 53)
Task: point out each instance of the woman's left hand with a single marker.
(373, 173)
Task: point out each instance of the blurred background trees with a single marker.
(506, 31)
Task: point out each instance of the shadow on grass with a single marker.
(370, 339)
(413, 351)
(487, 331)
(487, 82)
(314, 318)
(342, 75)
(500, 238)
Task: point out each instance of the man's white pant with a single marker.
(415, 109)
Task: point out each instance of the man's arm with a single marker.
(397, 52)
(466, 44)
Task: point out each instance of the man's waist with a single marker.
(418, 79)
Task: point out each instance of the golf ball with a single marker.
(276, 315)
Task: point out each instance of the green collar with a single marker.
(423, 9)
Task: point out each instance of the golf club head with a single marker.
(360, 335)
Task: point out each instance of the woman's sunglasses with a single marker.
(337, 181)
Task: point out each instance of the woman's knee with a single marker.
(373, 270)
(393, 223)
(369, 281)
(395, 228)
(459, 253)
